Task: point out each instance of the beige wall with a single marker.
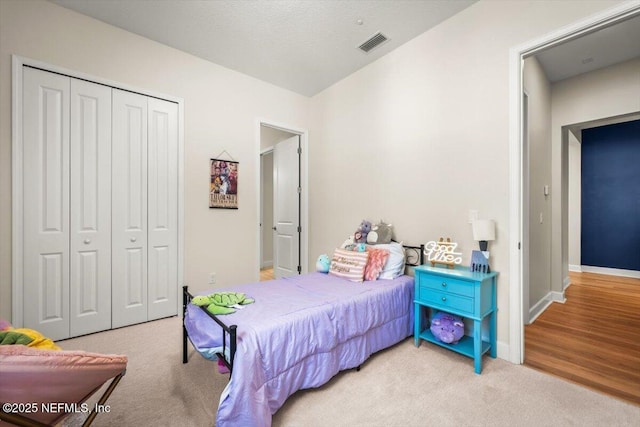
(610, 92)
(417, 138)
(421, 136)
(539, 90)
(221, 111)
(267, 211)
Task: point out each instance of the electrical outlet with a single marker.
(212, 278)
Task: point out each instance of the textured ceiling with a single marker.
(304, 46)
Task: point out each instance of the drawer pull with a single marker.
(444, 298)
(444, 284)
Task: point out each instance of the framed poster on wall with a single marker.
(223, 187)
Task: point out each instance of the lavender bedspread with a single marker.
(298, 334)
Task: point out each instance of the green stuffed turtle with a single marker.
(222, 302)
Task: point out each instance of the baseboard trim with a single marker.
(611, 271)
(503, 350)
(575, 268)
(538, 309)
(544, 303)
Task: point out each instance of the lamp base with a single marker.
(483, 245)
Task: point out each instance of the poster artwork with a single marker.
(223, 188)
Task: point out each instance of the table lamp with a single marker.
(483, 231)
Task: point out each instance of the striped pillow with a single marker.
(348, 264)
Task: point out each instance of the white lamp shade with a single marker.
(484, 229)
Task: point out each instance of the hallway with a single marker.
(594, 338)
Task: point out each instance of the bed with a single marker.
(299, 333)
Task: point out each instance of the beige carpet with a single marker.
(401, 386)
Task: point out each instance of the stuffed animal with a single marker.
(348, 244)
(361, 233)
(380, 233)
(28, 337)
(446, 327)
(222, 302)
(322, 265)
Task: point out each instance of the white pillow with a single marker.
(394, 266)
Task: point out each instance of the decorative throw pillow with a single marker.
(348, 264)
(375, 263)
(394, 266)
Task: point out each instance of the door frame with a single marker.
(304, 199)
(517, 223)
(17, 226)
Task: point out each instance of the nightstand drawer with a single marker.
(445, 284)
(447, 300)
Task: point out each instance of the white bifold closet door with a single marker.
(99, 231)
(90, 214)
(162, 204)
(144, 226)
(66, 221)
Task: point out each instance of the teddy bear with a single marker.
(360, 236)
(322, 265)
(380, 233)
(447, 327)
(221, 302)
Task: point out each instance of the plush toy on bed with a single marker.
(361, 233)
(222, 302)
(323, 263)
(380, 233)
(447, 327)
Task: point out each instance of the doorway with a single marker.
(518, 221)
(283, 243)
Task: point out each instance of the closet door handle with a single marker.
(133, 239)
(87, 241)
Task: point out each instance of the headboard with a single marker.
(414, 255)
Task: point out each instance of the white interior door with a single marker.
(90, 237)
(162, 208)
(46, 202)
(129, 204)
(286, 193)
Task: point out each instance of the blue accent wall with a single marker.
(611, 196)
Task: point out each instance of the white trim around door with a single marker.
(516, 56)
(304, 206)
(18, 62)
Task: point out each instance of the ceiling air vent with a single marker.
(373, 42)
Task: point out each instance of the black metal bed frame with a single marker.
(414, 256)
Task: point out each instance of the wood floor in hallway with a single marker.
(266, 274)
(593, 339)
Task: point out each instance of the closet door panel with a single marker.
(163, 208)
(46, 202)
(129, 206)
(90, 281)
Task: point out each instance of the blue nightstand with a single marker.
(458, 291)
